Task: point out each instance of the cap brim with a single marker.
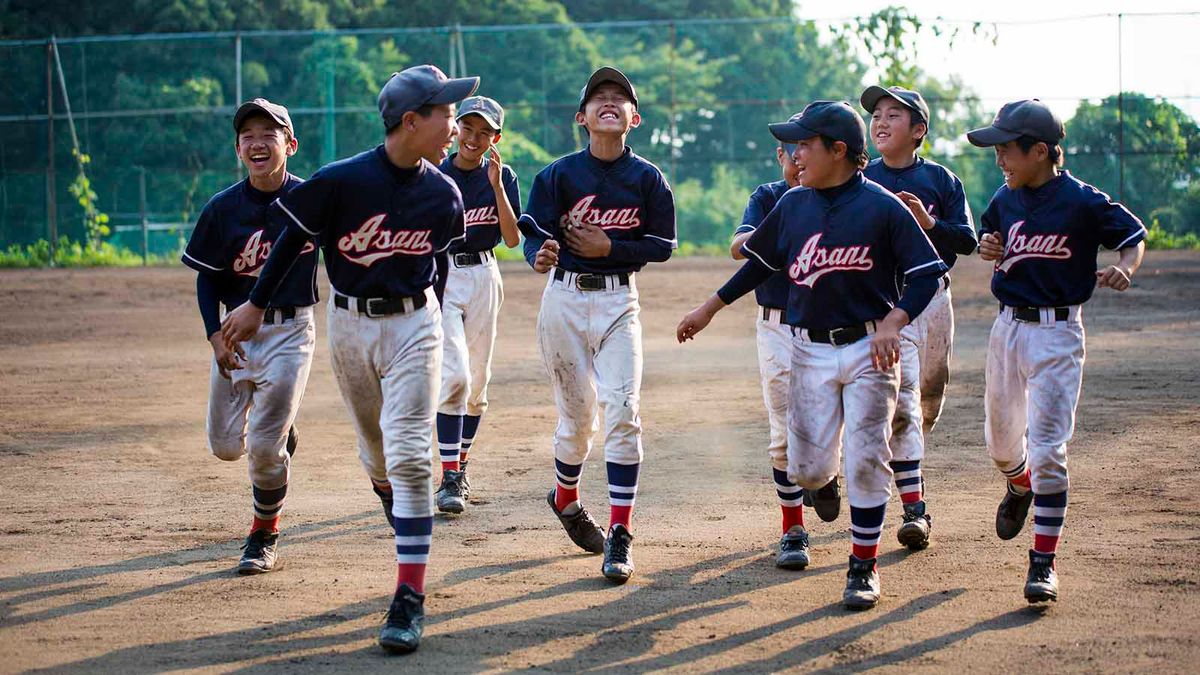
(870, 97)
(251, 109)
(455, 90)
(989, 136)
(791, 132)
(486, 118)
(608, 74)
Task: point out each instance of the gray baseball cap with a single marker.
(1020, 118)
(607, 74)
(832, 119)
(264, 108)
(906, 97)
(414, 87)
(487, 108)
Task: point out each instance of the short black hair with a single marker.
(1054, 151)
(915, 118)
(858, 161)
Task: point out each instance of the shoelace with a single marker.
(620, 549)
(254, 544)
(1040, 573)
(794, 543)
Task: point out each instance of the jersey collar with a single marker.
(853, 187)
(603, 166)
(400, 175)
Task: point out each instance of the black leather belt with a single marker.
(377, 307)
(592, 282)
(837, 337)
(471, 259)
(766, 312)
(279, 314)
(945, 281)
(1034, 314)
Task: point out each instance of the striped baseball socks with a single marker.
(449, 435)
(1049, 510)
(622, 491)
(566, 487)
(413, 538)
(791, 500)
(1018, 478)
(908, 480)
(866, 525)
(470, 427)
(267, 506)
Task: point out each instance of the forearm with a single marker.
(1131, 257)
(749, 277)
(735, 246)
(530, 248)
(640, 251)
(284, 252)
(208, 298)
(441, 263)
(960, 236)
(507, 217)
(917, 294)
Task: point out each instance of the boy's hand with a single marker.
(693, 322)
(1114, 277)
(547, 257)
(495, 169)
(227, 359)
(885, 343)
(991, 247)
(588, 241)
(914, 204)
(241, 324)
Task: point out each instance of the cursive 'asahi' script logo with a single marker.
(609, 219)
(484, 215)
(815, 261)
(254, 254)
(370, 242)
(1023, 247)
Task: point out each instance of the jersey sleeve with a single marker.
(954, 224)
(765, 245)
(513, 190)
(306, 206)
(915, 254)
(455, 228)
(204, 248)
(754, 213)
(539, 221)
(660, 212)
(989, 222)
(1118, 227)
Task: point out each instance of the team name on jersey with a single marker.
(609, 219)
(484, 215)
(1022, 247)
(815, 261)
(371, 242)
(254, 254)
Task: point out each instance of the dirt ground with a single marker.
(120, 532)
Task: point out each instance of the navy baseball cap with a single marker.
(607, 74)
(906, 97)
(487, 108)
(833, 119)
(414, 87)
(1020, 118)
(262, 107)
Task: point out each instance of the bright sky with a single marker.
(1161, 55)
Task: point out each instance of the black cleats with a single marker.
(466, 484)
(1041, 583)
(450, 497)
(827, 501)
(914, 531)
(1013, 512)
(618, 563)
(580, 527)
(862, 585)
(405, 622)
(259, 553)
(793, 549)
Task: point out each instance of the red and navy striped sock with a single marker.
(566, 486)
(1049, 511)
(622, 492)
(413, 538)
(449, 439)
(791, 500)
(267, 506)
(908, 480)
(866, 526)
(1018, 478)
(470, 428)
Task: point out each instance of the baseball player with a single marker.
(385, 219)
(255, 388)
(595, 218)
(774, 338)
(900, 121)
(842, 240)
(473, 291)
(1043, 228)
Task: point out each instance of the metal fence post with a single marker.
(51, 191)
(145, 216)
(237, 91)
(1120, 110)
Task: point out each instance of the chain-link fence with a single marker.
(152, 112)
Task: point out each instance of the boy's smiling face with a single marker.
(1020, 168)
(475, 137)
(264, 146)
(609, 110)
(892, 128)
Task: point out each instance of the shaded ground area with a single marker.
(120, 532)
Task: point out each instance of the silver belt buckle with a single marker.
(833, 335)
(370, 314)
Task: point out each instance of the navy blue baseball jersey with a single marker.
(379, 225)
(1051, 237)
(628, 198)
(774, 291)
(941, 192)
(479, 203)
(843, 256)
(234, 236)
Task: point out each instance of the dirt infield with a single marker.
(120, 532)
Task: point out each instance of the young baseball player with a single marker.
(900, 120)
(1043, 228)
(255, 388)
(474, 291)
(774, 338)
(842, 241)
(385, 219)
(595, 218)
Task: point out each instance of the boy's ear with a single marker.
(840, 149)
(635, 120)
(292, 145)
(579, 118)
(496, 138)
(408, 120)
